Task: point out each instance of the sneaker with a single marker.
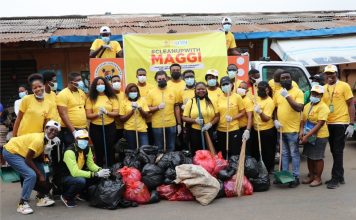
(341, 181)
(68, 203)
(44, 202)
(295, 183)
(80, 198)
(333, 184)
(24, 208)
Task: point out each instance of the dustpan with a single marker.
(9, 175)
(280, 175)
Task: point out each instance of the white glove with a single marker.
(182, 107)
(228, 118)
(104, 173)
(284, 93)
(56, 141)
(349, 131)
(134, 105)
(206, 127)
(102, 111)
(75, 134)
(161, 106)
(199, 121)
(245, 54)
(257, 109)
(48, 148)
(179, 129)
(246, 135)
(107, 46)
(277, 124)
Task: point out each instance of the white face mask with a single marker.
(241, 91)
(141, 79)
(116, 85)
(54, 87)
(257, 81)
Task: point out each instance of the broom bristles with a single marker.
(240, 170)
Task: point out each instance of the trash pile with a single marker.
(145, 176)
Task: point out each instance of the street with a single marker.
(304, 202)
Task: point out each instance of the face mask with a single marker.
(22, 94)
(314, 84)
(262, 93)
(116, 85)
(80, 85)
(39, 96)
(189, 81)
(212, 82)
(54, 87)
(106, 39)
(314, 99)
(47, 137)
(227, 27)
(141, 79)
(162, 84)
(287, 84)
(100, 88)
(82, 144)
(241, 91)
(108, 77)
(232, 74)
(133, 95)
(226, 89)
(256, 81)
(175, 75)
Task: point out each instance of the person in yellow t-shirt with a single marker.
(230, 108)
(176, 83)
(35, 110)
(189, 91)
(289, 103)
(134, 112)
(50, 82)
(104, 47)
(232, 74)
(275, 82)
(101, 108)
(339, 98)
(201, 114)
(165, 110)
(230, 39)
(214, 91)
(116, 85)
(20, 153)
(314, 135)
(263, 123)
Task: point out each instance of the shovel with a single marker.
(282, 176)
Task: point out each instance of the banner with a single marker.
(153, 52)
(107, 67)
(242, 63)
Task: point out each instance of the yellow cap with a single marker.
(212, 72)
(82, 133)
(330, 69)
(318, 88)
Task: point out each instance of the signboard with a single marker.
(107, 67)
(242, 63)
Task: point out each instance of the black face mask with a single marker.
(262, 93)
(287, 84)
(162, 84)
(176, 75)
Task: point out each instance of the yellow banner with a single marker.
(154, 52)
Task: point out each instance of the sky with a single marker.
(17, 8)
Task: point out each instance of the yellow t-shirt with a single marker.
(74, 102)
(267, 107)
(35, 114)
(20, 145)
(237, 84)
(230, 40)
(185, 95)
(289, 118)
(121, 98)
(178, 88)
(319, 112)
(276, 87)
(191, 111)
(167, 115)
(235, 106)
(214, 96)
(102, 101)
(144, 90)
(108, 53)
(342, 92)
(249, 108)
(52, 97)
(140, 122)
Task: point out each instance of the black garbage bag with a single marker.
(152, 176)
(148, 154)
(126, 204)
(170, 175)
(132, 159)
(261, 183)
(233, 162)
(221, 193)
(251, 167)
(187, 157)
(120, 147)
(115, 169)
(171, 159)
(226, 174)
(107, 194)
(154, 197)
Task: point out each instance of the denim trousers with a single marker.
(291, 151)
(130, 136)
(170, 138)
(73, 186)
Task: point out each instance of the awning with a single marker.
(317, 51)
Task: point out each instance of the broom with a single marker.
(164, 128)
(240, 170)
(227, 127)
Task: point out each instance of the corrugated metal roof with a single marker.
(41, 28)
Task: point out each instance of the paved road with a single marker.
(303, 202)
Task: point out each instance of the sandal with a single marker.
(307, 180)
(315, 183)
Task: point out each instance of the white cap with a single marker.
(318, 88)
(52, 123)
(330, 69)
(82, 133)
(226, 20)
(104, 30)
(212, 72)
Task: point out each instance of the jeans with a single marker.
(170, 138)
(130, 136)
(27, 173)
(337, 144)
(73, 186)
(291, 150)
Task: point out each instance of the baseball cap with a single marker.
(53, 123)
(330, 69)
(225, 80)
(318, 88)
(226, 20)
(316, 77)
(104, 30)
(212, 72)
(82, 133)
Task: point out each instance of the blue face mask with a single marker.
(82, 144)
(106, 39)
(189, 81)
(314, 100)
(100, 88)
(133, 95)
(227, 27)
(22, 94)
(212, 82)
(80, 85)
(231, 74)
(226, 88)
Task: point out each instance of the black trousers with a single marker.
(195, 140)
(97, 137)
(268, 147)
(151, 139)
(337, 144)
(234, 143)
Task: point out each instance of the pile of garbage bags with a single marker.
(145, 176)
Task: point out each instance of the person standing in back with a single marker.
(22, 93)
(230, 39)
(105, 47)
